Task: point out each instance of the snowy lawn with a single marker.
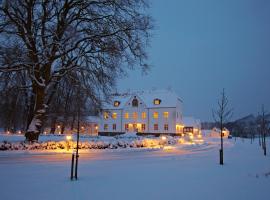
(181, 172)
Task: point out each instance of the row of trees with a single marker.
(248, 128)
(49, 49)
(15, 107)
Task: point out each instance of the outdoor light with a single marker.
(68, 137)
(19, 132)
(163, 138)
(58, 126)
(199, 136)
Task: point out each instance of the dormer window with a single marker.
(135, 102)
(116, 103)
(157, 101)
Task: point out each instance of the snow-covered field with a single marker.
(173, 172)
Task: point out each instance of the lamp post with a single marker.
(76, 154)
(78, 132)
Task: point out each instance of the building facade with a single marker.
(152, 112)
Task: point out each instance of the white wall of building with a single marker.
(148, 123)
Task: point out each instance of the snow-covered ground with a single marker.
(175, 172)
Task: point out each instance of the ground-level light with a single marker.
(68, 138)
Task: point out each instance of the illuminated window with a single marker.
(105, 127)
(114, 115)
(126, 127)
(135, 102)
(155, 115)
(166, 127)
(106, 115)
(116, 103)
(143, 127)
(114, 126)
(157, 101)
(126, 115)
(135, 115)
(166, 114)
(96, 128)
(143, 115)
(155, 127)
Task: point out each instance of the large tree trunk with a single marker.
(34, 128)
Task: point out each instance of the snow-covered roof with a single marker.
(168, 99)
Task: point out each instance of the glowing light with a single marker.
(164, 138)
(68, 137)
(191, 136)
(168, 147)
(181, 141)
(19, 132)
(199, 136)
(155, 115)
(58, 126)
(114, 115)
(166, 114)
(143, 115)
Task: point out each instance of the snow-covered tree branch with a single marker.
(96, 40)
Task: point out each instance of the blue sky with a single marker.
(201, 46)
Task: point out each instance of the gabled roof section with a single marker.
(167, 99)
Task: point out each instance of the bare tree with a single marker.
(263, 129)
(221, 115)
(96, 40)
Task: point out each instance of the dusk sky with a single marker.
(201, 46)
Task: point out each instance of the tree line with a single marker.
(56, 53)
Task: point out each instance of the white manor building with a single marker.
(152, 112)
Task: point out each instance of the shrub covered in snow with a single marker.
(113, 143)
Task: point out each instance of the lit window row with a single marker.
(106, 115)
(165, 115)
(137, 127)
(106, 127)
(166, 127)
(135, 115)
